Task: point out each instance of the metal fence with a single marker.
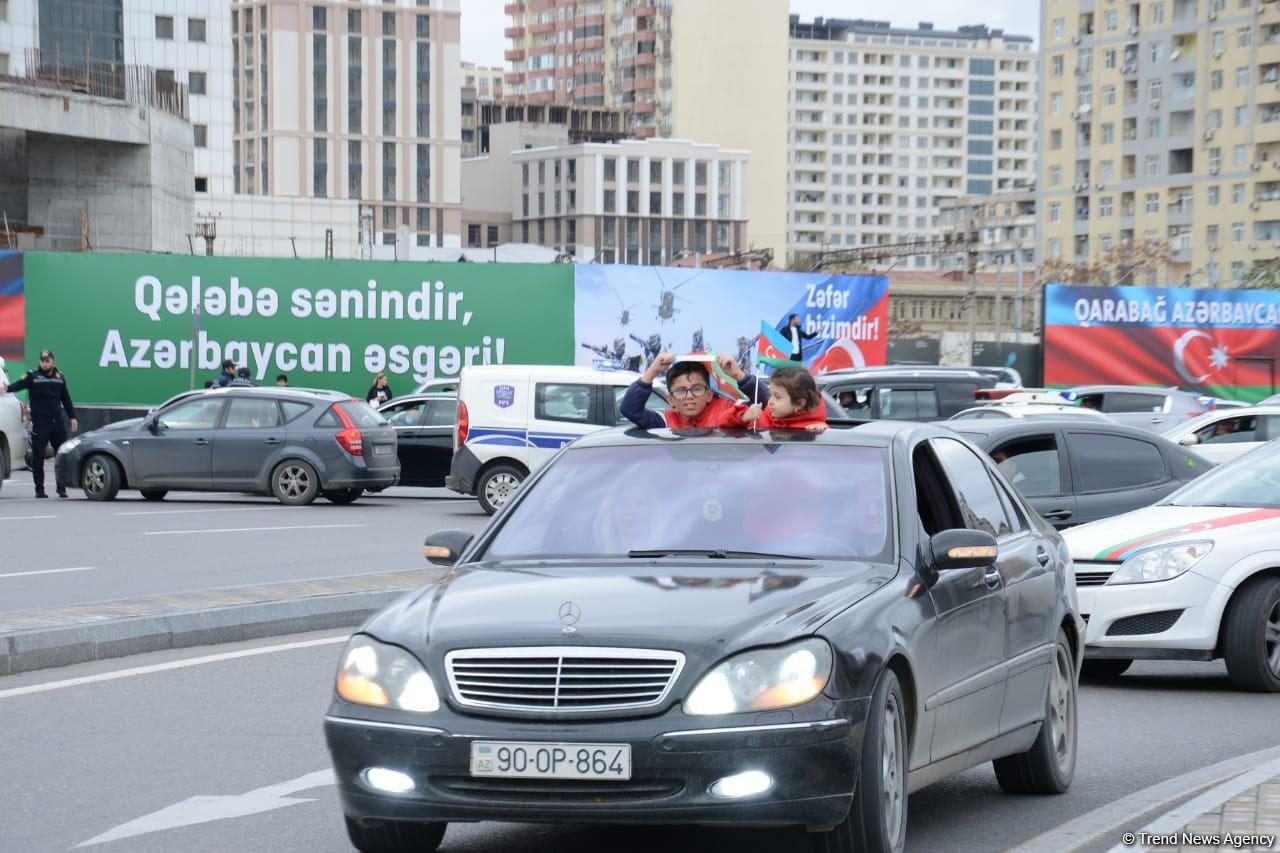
(134, 84)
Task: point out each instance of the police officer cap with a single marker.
(46, 353)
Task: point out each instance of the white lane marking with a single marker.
(258, 508)
(204, 808)
(1172, 821)
(250, 529)
(48, 572)
(1114, 816)
(168, 665)
(26, 517)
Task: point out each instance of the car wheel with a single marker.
(1103, 669)
(295, 483)
(1050, 764)
(154, 494)
(877, 819)
(342, 496)
(1251, 642)
(497, 486)
(101, 478)
(394, 836)
(4, 463)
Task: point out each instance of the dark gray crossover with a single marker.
(1073, 470)
(725, 628)
(294, 444)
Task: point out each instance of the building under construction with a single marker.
(584, 123)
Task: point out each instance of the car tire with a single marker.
(295, 483)
(1050, 764)
(395, 836)
(342, 496)
(1251, 641)
(4, 463)
(497, 485)
(1104, 669)
(101, 478)
(877, 819)
(154, 494)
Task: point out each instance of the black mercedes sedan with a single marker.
(731, 628)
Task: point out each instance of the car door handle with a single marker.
(1058, 514)
(274, 441)
(202, 442)
(992, 578)
(1043, 558)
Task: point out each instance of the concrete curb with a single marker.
(41, 648)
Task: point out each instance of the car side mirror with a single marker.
(1190, 440)
(962, 549)
(444, 547)
(151, 424)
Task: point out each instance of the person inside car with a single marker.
(794, 403)
(695, 404)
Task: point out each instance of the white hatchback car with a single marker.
(1194, 577)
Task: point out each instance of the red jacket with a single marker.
(800, 420)
(720, 412)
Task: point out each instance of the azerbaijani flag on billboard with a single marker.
(772, 348)
(1224, 343)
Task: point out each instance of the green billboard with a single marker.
(140, 328)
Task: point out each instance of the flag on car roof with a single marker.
(772, 348)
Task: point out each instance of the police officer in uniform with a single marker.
(47, 390)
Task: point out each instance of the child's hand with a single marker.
(658, 366)
(731, 367)
(752, 413)
(817, 428)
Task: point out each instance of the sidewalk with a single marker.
(1238, 815)
(66, 635)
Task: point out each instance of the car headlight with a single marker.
(68, 446)
(763, 680)
(384, 676)
(1160, 564)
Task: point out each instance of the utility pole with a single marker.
(973, 302)
(1017, 301)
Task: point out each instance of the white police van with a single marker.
(513, 418)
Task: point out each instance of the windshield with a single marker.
(776, 498)
(1253, 480)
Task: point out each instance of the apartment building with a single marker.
(886, 124)
(712, 71)
(1001, 226)
(357, 100)
(481, 84)
(1160, 121)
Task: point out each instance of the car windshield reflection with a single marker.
(705, 501)
(1253, 480)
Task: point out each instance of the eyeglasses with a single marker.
(688, 391)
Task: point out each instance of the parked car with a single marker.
(1191, 578)
(1074, 470)
(15, 425)
(291, 443)
(439, 386)
(721, 628)
(1222, 435)
(1002, 410)
(1154, 409)
(424, 436)
(904, 394)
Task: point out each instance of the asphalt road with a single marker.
(62, 552)
(90, 758)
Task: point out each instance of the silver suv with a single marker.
(1141, 406)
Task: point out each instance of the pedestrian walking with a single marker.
(228, 374)
(797, 336)
(380, 392)
(46, 388)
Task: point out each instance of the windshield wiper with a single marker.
(713, 553)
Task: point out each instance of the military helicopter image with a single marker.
(667, 297)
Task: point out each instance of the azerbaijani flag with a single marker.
(772, 348)
(721, 382)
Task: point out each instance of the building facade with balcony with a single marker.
(1160, 122)
(712, 70)
(1001, 226)
(480, 84)
(886, 124)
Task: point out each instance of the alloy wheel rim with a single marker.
(294, 482)
(499, 488)
(95, 478)
(891, 760)
(1061, 710)
(1272, 639)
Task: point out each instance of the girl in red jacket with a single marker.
(794, 403)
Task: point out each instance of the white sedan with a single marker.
(1194, 577)
(1224, 434)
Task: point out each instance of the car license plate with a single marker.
(382, 450)
(605, 761)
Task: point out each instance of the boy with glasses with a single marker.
(694, 404)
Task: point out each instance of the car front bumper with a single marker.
(1193, 636)
(812, 764)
